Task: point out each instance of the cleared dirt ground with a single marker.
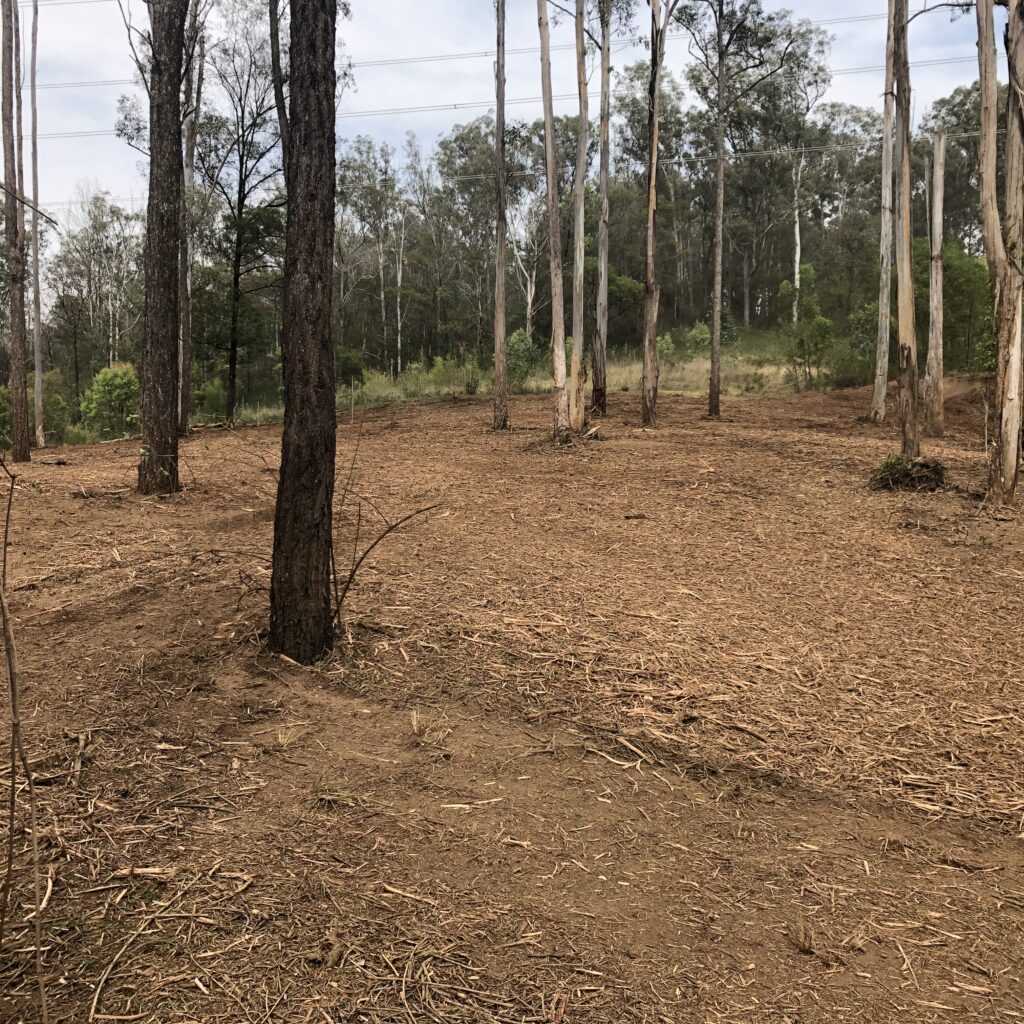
(679, 726)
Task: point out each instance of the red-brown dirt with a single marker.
(684, 725)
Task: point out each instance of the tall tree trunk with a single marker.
(158, 466)
(746, 289)
(236, 309)
(194, 98)
(399, 273)
(798, 170)
(383, 304)
(301, 616)
(933, 403)
(37, 304)
(13, 230)
(562, 429)
(715, 387)
(885, 240)
(278, 77)
(599, 399)
(1004, 241)
(652, 294)
(910, 431)
(501, 420)
(577, 386)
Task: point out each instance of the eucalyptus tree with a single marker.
(737, 47)
(500, 420)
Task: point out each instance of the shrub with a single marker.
(472, 379)
(848, 366)
(212, 399)
(666, 349)
(110, 406)
(55, 407)
(521, 358)
(698, 338)
(863, 327)
(349, 366)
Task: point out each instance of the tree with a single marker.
(158, 465)
(37, 305)
(909, 429)
(599, 396)
(562, 430)
(738, 46)
(501, 421)
(649, 386)
(577, 387)
(14, 231)
(885, 242)
(235, 153)
(933, 371)
(301, 616)
(1004, 239)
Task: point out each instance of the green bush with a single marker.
(212, 399)
(55, 407)
(472, 379)
(698, 338)
(349, 366)
(848, 366)
(111, 404)
(521, 358)
(666, 347)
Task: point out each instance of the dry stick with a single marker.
(18, 745)
(147, 921)
(344, 494)
(390, 529)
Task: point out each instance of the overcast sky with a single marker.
(85, 40)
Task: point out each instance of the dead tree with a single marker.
(158, 464)
(13, 230)
(885, 240)
(933, 402)
(1004, 238)
(301, 613)
(501, 421)
(577, 385)
(649, 385)
(562, 429)
(909, 429)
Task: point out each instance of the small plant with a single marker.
(521, 358)
(472, 381)
(111, 404)
(698, 338)
(898, 473)
(666, 347)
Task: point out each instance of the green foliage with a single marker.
(698, 338)
(55, 407)
(666, 347)
(812, 333)
(847, 365)
(521, 358)
(212, 399)
(111, 404)
(862, 328)
(349, 367)
(472, 379)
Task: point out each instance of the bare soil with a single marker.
(684, 725)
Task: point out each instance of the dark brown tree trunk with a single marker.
(715, 384)
(158, 466)
(301, 616)
(501, 421)
(278, 77)
(14, 231)
(236, 305)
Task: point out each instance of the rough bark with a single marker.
(715, 384)
(933, 400)
(908, 393)
(13, 230)
(278, 76)
(599, 397)
(194, 98)
(562, 430)
(1004, 241)
(577, 380)
(158, 465)
(885, 239)
(37, 310)
(301, 616)
(501, 420)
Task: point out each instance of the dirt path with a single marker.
(632, 732)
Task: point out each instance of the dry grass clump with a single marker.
(898, 473)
